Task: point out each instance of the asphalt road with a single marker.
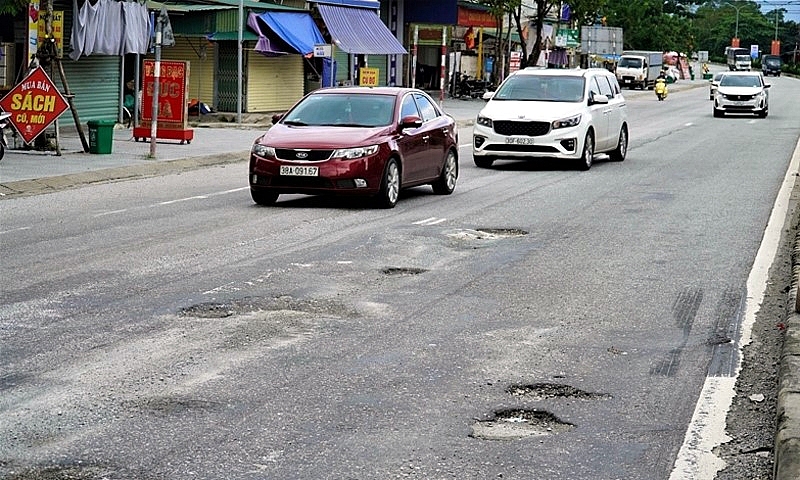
(538, 323)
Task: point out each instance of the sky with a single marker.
(792, 7)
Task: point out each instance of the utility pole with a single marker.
(156, 81)
(239, 65)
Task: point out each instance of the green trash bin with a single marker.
(101, 135)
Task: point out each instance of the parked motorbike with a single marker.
(468, 87)
(661, 88)
(3, 123)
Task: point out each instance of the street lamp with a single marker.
(736, 35)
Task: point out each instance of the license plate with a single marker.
(627, 80)
(299, 171)
(519, 140)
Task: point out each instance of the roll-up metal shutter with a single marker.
(201, 56)
(380, 62)
(228, 77)
(95, 82)
(342, 59)
(274, 83)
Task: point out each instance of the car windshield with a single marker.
(343, 110)
(772, 61)
(541, 88)
(630, 62)
(740, 81)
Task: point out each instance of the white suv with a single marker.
(553, 113)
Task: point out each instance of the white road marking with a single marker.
(170, 202)
(178, 200)
(15, 230)
(465, 145)
(696, 459)
(110, 212)
(689, 124)
(430, 221)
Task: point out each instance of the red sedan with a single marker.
(356, 140)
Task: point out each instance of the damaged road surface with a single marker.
(547, 323)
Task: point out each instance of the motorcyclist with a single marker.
(661, 85)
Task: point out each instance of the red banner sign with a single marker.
(34, 104)
(172, 94)
(468, 17)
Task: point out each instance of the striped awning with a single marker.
(359, 30)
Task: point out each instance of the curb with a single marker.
(787, 433)
(25, 188)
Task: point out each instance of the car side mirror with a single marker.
(410, 121)
(487, 96)
(767, 85)
(276, 118)
(598, 98)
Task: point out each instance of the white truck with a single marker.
(738, 58)
(639, 68)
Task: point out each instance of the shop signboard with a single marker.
(57, 31)
(368, 77)
(173, 101)
(568, 38)
(34, 104)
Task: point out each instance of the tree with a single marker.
(12, 7)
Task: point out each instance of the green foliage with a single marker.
(690, 25)
(12, 7)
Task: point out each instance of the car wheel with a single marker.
(763, 113)
(446, 183)
(618, 154)
(483, 162)
(718, 113)
(390, 185)
(587, 157)
(264, 197)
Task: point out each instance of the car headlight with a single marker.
(358, 152)
(485, 121)
(262, 150)
(567, 122)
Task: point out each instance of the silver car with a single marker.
(714, 83)
(742, 92)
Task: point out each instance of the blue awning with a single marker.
(353, 3)
(359, 31)
(297, 29)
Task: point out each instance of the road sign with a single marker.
(34, 104)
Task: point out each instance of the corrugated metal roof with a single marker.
(212, 5)
(359, 30)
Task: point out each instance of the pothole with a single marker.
(402, 271)
(172, 405)
(543, 391)
(503, 232)
(515, 423)
(248, 305)
(487, 233)
(207, 310)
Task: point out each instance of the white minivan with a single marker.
(569, 114)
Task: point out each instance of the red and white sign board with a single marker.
(34, 104)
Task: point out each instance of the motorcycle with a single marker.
(468, 87)
(661, 89)
(3, 123)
